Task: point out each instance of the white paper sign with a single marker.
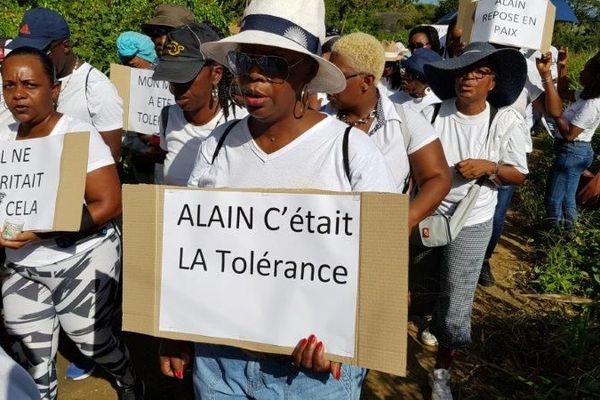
(266, 268)
(517, 23)
(29, 178)
(147, 97)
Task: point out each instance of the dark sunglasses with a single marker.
(275, 69)
(156, 32)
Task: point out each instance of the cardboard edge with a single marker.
(71, 187)
(120, 75)
(378, 295)
(138, 303)
(548, 28)
(466, 18)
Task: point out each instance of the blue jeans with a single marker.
(572, 158)
(223, 372)
(505, 194)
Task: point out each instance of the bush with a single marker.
(96, 24)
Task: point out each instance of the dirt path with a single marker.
(507, 264)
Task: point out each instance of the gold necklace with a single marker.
(361, 121)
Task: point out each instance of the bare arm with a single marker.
(113, 140)
(103, 194)
(549, 102)
(475, 168)
(433, 178)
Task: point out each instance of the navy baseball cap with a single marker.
(418, 59)
(181, 58)
(40, 27)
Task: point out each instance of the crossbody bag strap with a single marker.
(345, 156)
(164, 119)
(464, 207)
(222, 140)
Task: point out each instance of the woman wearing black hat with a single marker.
(483, 140)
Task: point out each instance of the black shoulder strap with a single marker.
(222, 139)
(87, 102)
(345, 156)
(436, 111)
(493, 112)
(164, 119)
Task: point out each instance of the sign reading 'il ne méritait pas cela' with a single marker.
(282, 266)
(29, 180)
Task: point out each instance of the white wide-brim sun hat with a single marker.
(287, 24)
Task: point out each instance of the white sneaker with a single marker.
(438, 380)
(428, 338)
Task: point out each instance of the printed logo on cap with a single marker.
(24, 30)
(174, 48)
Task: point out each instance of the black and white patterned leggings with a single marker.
(79, 295)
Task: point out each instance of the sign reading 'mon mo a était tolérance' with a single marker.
(42, 181)
(262, 269)
(143, 98)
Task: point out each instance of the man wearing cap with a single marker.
(85, 92)
(166, 18)
(201, 90)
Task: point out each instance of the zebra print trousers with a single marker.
(79, 295)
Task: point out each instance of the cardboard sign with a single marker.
(261, 269)
(143, 98)
(42, 181)
(519, 23)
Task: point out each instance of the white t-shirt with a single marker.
(314, 160)
(182, 142)
(17, 384)
(45, 252)
(584, 114)
(387, 136)
(99, 105)
(531, 91)
(424, 105)
(464, 137)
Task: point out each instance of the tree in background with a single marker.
(96, 24)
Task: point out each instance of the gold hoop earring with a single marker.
(215, 92)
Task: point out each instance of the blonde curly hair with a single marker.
(364, 53)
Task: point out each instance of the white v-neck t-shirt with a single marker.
(314, 160)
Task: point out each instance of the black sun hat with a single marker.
(508, 64)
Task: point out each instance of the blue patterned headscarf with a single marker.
(131, 44)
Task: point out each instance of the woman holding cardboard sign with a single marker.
(63, 280)
(282, 144)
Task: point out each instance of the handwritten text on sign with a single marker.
(518, 23)
(261, 267)
(147, 97)
(29, 178)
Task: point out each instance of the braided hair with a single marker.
(224, 87)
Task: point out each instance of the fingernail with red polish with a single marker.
(319, 346)
(311, 338)
(303, 343)
(179, 374)
(338, 374)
